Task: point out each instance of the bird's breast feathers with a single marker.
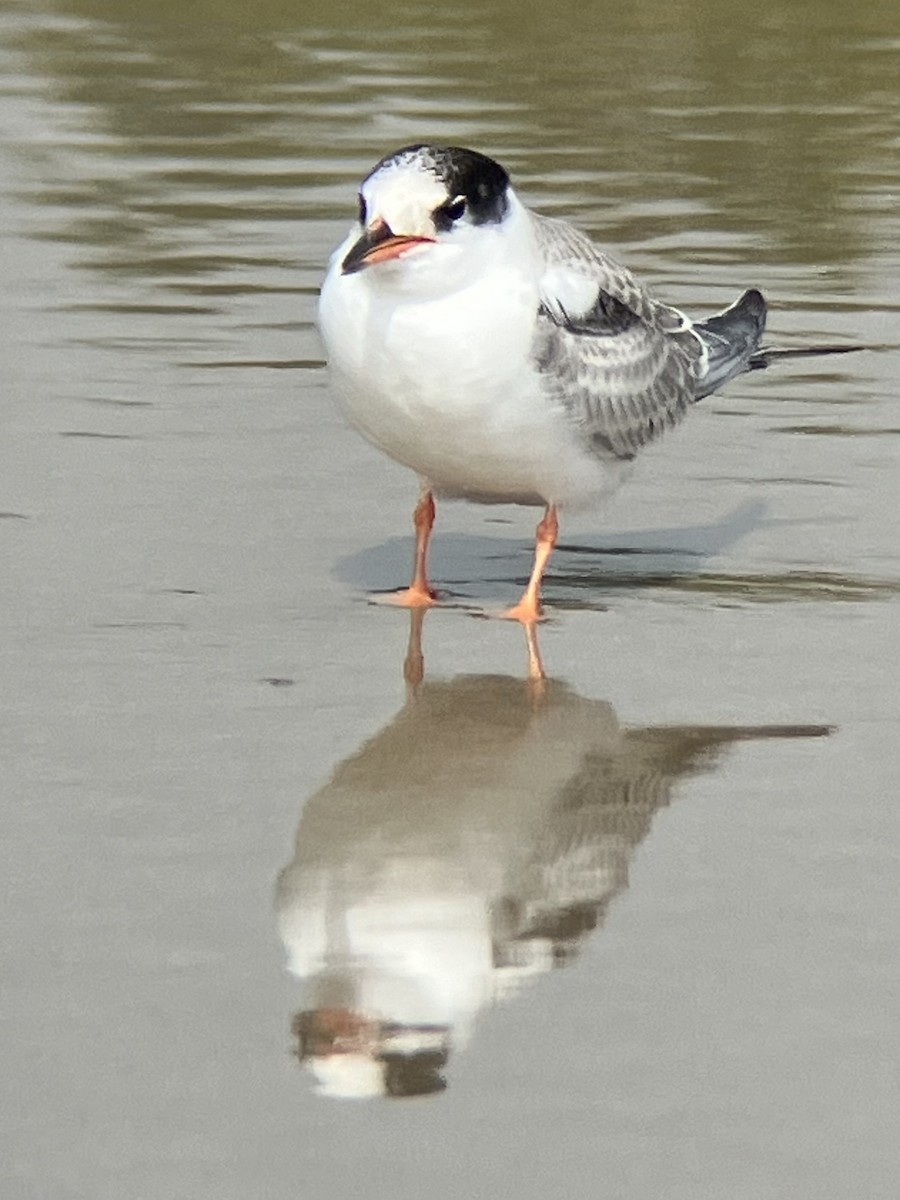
(447, 385)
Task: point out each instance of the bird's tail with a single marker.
(766, 355)
(731, 340)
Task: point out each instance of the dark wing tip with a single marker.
(730, 338)
(751, 306)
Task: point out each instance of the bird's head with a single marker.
(424, 209)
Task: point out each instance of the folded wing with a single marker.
(626, 366)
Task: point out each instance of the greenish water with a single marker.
(696, 824)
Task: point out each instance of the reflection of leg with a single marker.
(536, 673)
(420, 593)
(528, 610)
(414, 663)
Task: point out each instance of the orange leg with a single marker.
(420, 592)
(528, 610)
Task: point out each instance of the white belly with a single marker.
(445, 387)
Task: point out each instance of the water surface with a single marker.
(696, 822)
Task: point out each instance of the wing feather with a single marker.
(625, 365)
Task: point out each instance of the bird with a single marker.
(500, 354)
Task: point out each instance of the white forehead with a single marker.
(403, 194)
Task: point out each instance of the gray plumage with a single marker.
(627, 367)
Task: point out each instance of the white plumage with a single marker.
(498, 353)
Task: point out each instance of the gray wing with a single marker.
(577, 862)
(626, 366)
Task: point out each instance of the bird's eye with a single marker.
(362, 209)
(446, 214)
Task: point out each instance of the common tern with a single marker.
(500, 354)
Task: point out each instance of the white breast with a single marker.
(442, 380)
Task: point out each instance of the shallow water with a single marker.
(696, 822)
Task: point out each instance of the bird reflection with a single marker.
(469, 847)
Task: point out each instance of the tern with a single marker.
(500, 354)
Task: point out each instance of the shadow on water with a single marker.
(467, 849)
(584, 575)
